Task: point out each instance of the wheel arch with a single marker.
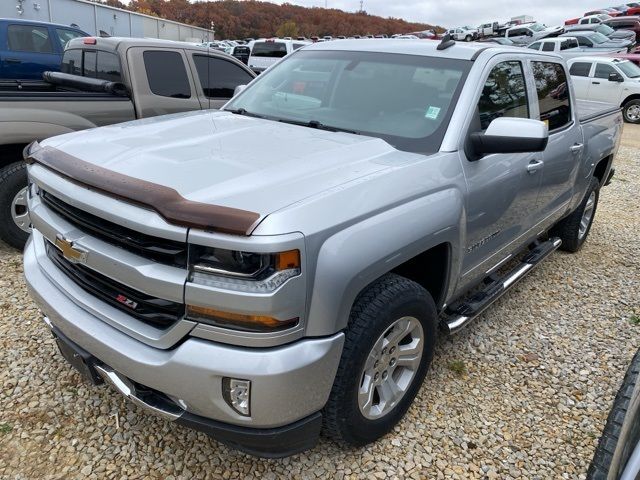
(602, 168)
(11, 153)
(635, 96)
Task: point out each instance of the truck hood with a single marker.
(223, 159)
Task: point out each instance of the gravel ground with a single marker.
(522, 393)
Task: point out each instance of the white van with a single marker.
(266, 52)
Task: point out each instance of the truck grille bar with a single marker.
(151, 310)
(168, 252)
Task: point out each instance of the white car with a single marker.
(530, 32)
(266, 52)
(568, 47)
(591, 19)
(610, 80)
(463, 33)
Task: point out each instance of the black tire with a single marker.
(13, 178)
(568, 229)
(627, 108)
(468, 38)
(389, 298)
(603, 457)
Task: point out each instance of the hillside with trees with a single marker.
(250, 18)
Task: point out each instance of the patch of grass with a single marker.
(634, 319)
(458, 367)
(5, 428)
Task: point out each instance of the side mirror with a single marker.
(615, 77)
(238, 89)
(511, 135)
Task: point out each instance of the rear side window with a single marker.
(72, 62)
(580, 69)
(504, 94)
(548, 47)
(221, 77)
(269, 49)
(29, 38)
(166, 74)
(603, 70)
(64, 35)
(108, 67)
(553, 94)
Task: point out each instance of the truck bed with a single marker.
(589, 110)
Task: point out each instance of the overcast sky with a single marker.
(451, 13)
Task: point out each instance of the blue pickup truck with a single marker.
(28, 48)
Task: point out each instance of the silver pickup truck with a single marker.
(104, 81)
(286, 264)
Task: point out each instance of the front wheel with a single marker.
(631, 111)
(388, 348)
(468, 38)
(15, 224)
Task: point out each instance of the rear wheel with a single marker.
(15, 225)
(468, 38)
(388, 347)
(631, 111)
(574, 229)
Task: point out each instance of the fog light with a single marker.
(237, 393)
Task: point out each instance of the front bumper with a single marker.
(289, 384)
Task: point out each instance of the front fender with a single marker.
(354, 257)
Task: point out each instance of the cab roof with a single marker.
(427, 48)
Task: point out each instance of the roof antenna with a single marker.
(446, 42)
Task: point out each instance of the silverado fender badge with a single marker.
(72, 253)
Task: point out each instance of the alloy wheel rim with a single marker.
(633, 113)
(20, 212)
(390, 367)
(587, 215)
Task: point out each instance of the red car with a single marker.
(572, 21)
(632, 57)
(612, 12)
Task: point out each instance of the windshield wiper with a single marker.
(318, 125)
(242, 111)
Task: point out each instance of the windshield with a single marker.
(536, 27)
(406, 100)
(603, 29)
(598, 38)
(631, 70)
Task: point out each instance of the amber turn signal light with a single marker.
(254, 323)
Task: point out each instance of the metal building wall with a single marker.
(94, 18)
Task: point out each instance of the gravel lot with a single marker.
(521, 393)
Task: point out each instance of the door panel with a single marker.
(564, 151)
(602, 90)
(502, 193)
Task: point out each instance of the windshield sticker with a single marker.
(432, 113)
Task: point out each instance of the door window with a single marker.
(583, 42)
(29, 38)
(72, 62)
(603, 70)
(548, 47)
(64, 35)
(535, 46)
(221, 77)
(504, 94)
(580, 69)
(553, 94)
(167, 74)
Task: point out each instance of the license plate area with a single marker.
(78, 358)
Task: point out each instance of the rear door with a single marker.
(564, 151)
(29, 51)
(161, 81)
(581, 76)
(603, 90)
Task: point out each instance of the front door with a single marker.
(602, 89)
(502, 188)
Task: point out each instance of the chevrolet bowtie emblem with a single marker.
(69, 251)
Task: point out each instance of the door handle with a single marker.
(576, 147)
(596, 83)
(13, 60)
(534, 166)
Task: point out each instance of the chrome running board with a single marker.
(459, 315)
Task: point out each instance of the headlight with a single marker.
(243, 272)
